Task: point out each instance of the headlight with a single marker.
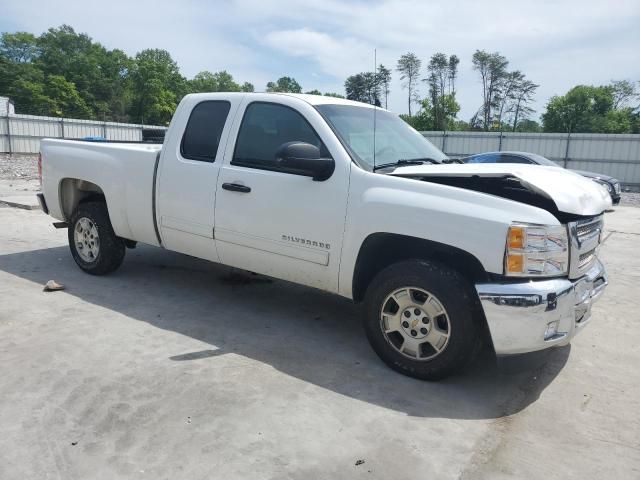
(603, 183)
(536, 250)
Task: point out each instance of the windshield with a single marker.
(394, 139)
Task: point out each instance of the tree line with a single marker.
(64, 73)
(506, 98)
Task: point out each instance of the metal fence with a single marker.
(616, 155)
(22, 133)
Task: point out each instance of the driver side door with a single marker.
(272, 221)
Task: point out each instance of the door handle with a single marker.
(236, 187)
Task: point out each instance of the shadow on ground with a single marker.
(301, 332)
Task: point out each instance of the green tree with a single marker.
(363, 87)
(225, 82)
(203, 82)
(100, 76)
(454, 61)
(73, 56)
(423, 120)
(428, 117)
(7, 75)
(522, 98)
(624, 93)
(247, 87)
(441, 80)
(314, 92)
(111, 95)
(213, 82)
(19, 47)
(25, 84)
(506, 95)
(284, 84)
(65, 101)
(334, 95)
(492, 68)
(409, 67)
(157, 86)
(355, 88)
(528, 125)
(583, 109)
(384, 80)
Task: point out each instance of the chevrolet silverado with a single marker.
(347, 198)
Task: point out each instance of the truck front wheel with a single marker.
(94, 245)
(419, 319)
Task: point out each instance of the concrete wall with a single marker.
(615, 155)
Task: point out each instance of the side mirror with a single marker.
(304, 159)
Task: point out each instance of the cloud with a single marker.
(336, 57)
(557, 44)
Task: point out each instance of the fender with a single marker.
(470, 221)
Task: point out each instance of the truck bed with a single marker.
(125, 172)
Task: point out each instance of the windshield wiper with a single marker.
(406, 161)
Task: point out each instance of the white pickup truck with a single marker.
(347, 198)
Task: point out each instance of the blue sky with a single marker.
(557, 44)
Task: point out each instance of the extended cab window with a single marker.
(265, 127)
(204, 129)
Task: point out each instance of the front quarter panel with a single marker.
(471, 221)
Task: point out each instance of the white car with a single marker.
(347, 198)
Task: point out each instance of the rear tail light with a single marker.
(40, 169)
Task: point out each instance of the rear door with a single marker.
(188, 172)
(276, 222)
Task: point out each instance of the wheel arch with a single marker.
(73, 191)
(381, 249)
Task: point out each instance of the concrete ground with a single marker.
(176, 368)
(19, 193)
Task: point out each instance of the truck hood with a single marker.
(555, 189)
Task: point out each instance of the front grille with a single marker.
(586, 228)
(586, 258)
(585, 238)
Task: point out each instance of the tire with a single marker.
(94, 245)
(434, 332)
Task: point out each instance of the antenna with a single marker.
(375, 108)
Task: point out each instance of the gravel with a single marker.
(630, 199)
(18, 167)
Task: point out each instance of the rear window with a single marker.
(204, 129)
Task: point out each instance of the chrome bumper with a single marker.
(522, 316)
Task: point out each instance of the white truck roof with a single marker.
(311, 99)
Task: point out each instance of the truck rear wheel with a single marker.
(94, 245)
(419, 319)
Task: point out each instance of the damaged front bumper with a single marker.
(537, 314)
